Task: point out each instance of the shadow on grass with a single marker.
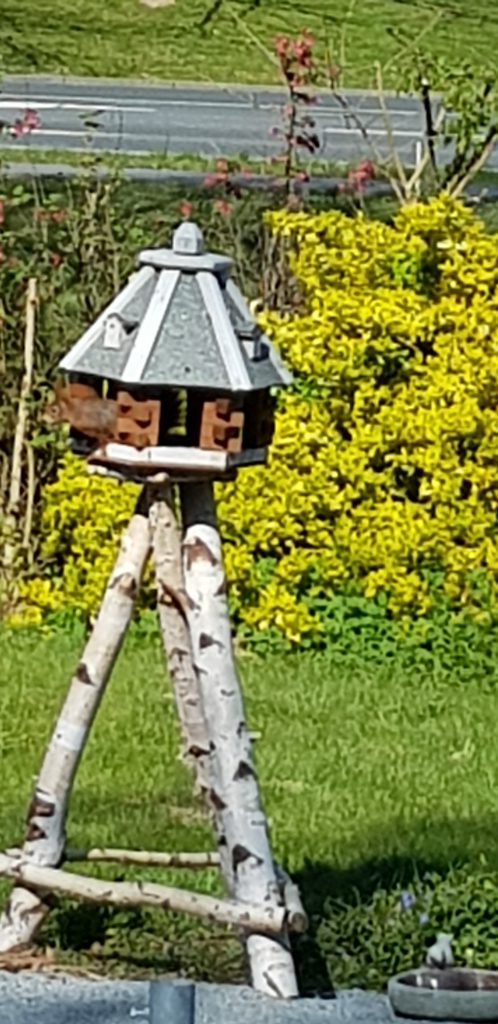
(455, 844)
(320, 883)
(143, 943)
(140, 943)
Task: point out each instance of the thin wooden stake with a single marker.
(14, 498)
(45, 840)
(30, 496)
(26, 384)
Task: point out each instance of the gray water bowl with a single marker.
(452, 994)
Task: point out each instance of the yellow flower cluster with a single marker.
(383, 471)
(83, 517)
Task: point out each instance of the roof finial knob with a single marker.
(188, 239)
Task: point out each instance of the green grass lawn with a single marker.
(31, 155)
(365, 774)
(204, 41)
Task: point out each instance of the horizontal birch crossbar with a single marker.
(193, 861)
(297, 919)
(246, 916)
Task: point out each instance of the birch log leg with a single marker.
(237, 794)
(171, 604)
(45, 838)
(167, 555)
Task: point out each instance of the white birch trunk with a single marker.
(244, 832)
(171, 605)
(177, 642)
(45, 838)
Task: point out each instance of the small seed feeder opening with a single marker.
(178, 370)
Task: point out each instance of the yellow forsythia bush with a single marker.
(383, 474)
(82, 519)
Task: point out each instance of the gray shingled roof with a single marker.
(179, 322)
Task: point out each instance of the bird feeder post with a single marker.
(244, 831)
(173, 623)
(171, 386)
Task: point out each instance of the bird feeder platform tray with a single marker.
(177, 462)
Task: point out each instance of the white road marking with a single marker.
(15, 105)
(401, 132)
(68, 103)
(76, 133)
(99, 103)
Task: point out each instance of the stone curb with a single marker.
(41, 999)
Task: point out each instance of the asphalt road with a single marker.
(215, 121)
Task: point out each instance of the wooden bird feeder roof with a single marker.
(180, 322)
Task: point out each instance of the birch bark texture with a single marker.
(177, 643)
(171, 605)
(243, 828)
(143, 894)
(45, 835)
(153, 859)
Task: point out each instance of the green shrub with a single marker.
(365, 941)
(81, 522)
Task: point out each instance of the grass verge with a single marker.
(205, 41)
(369, 776)
(30, 155)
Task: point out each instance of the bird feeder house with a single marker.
(172, 384)
(188, 371)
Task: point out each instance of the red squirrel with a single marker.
(93, 416)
